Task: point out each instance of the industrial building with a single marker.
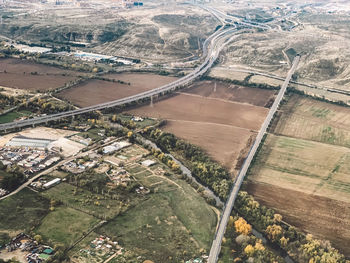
(21, 141)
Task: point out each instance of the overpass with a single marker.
(211, 49)
(216, 245)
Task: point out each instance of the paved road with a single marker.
(216, 246)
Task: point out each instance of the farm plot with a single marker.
(325, 218)
(265, 80)
(230, 92)
(308, 183)
(315, 120)
(227, 73)
(306, 166)
(83, 200)
(223, 127)
(99, 91)
(22, 74)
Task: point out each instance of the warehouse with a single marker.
(21, 141)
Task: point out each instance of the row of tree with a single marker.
(44, 106)
(302, 248)
(240, 245)
(203, 168)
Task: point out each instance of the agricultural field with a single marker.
(99, 91)
(84, 200)
(222, 122)
(27, 75)
(306, 160)
(314, 120)
(227, 73)
(231, 92)
(11, 116)
(310, 167)
(265, 80)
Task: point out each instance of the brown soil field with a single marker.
(314, 120)
(221, 126)
(305, 173)
(142, 80)
(323, 217)
(189, 107)
(226, 91)
(19, 75)
(99, 91)
(223, 142)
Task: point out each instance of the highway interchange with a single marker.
(211, 49)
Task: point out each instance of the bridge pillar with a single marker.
(151, 104)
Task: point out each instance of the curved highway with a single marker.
(211, 49)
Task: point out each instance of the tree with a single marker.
(249, 250)
(259, 246)
(242, 226)
(284, 241)
(277, 218)
(273, 232)
(114, 118)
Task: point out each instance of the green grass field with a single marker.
(84, 200)
(139, 124)
(173, 220)
(65, 225)
(11, 116)
(22, 211)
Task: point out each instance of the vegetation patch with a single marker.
(22, 211)
(65, 225)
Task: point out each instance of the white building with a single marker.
(148, 163)
(21, 141)
(52, 183)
